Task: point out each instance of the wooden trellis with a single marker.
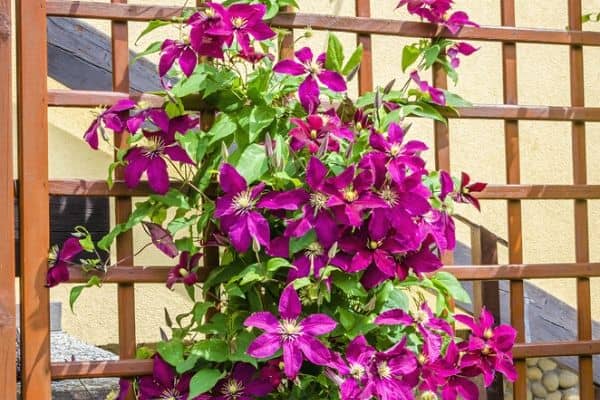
(34, 99)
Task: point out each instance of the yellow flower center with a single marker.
(233, 389)
(155, 147)
(350, 195)
(395, 150)
(318, 201)
(314, 134)
(183, 272)
(421, 317)
(243, 202)
(314, 68)
(210, 12)
(289, 329)
(421, 359)
(373, 244)
(389, 196)
(488, 334)
(383, 370)
(314, 249)
(239, 22)
(486, 350)
(357, 371)
(429, 395)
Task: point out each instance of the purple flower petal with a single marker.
(304, 55)
(318, 324)
(70, 248)
(239, 234)
(162, 372)
(309, 92)
(289, 67)
(289, 303)
(394, 317)
(333, 81)
(292, 359)
(158, 176)
(263, 320)
(162, 239)
(230, 180)
(314, 350)
(57, 274)
(91, 134)
(258, 227)
(176, 153)
(137, 164)
(188, 61)
(264, 346)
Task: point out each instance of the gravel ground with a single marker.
(67, 348)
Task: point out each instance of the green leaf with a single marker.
(180, 223)
(354, 60)
(173, 198)
(215, 350)
(448, 283)
(272, 9)
(431, 55)
(260, 118)
(410, 54)
(151, 49)
(171, 352)
(200, 310)
(253, 163)
(152, 25)
(239, 347)
(276, 263)
(203, 381)
(396, 299)
(301, 243)
(195, 143)
(335, 54)
(74, 295)
(348, 284)
(222, 128)
(188, 364)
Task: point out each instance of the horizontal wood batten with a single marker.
(492, 192)
(100, 369)
(123, 274)
(523, 271)
(91, 98)
(389, 27)
(556, 349)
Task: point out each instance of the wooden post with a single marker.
(8, 333)
(33, 198)
(484, 251)
(365, 73)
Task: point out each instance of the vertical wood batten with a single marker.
(33, 198)
(513, 176)
(365, 73)
(123, 205)
(584, 310)
(8, 351)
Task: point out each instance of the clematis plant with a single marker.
(326, 219)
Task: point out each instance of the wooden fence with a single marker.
(35, 187)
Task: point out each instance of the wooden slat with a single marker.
(357, 25)
(365, 73)
(523, 271)
(95, 98)
(584, 307)
(492, 192)
(101, 369)
(513, 176)
(33, 200)
(522, 351)
(8, 323)
(124, 274)
(91, 98)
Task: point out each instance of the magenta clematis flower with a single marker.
(298, 338)
(209, 32)
(437, 95)
(315, 71)
(236, 210)
(457, 20)
(460, 48)
(150, 159)
(437, 11)
(439, 226)
(185, 270)
(59, 261)
(428, 325)
(114, 118)
(350, 195)
(359, 357)
(464, 194)
(242, 384)
(317, 131)
(174, 50)
(420, 262)
(245, 21)
(458, 385)
(399, 154)
(273, 372)
(165, 383)
(489, 348)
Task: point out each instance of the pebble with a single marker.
(571, 394)
(550, 381)
(547, 364)
(538, 390)
(532, 362)
(554, 396)
(534, 373)
(567, 379)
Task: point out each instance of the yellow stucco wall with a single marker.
(477, 147)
